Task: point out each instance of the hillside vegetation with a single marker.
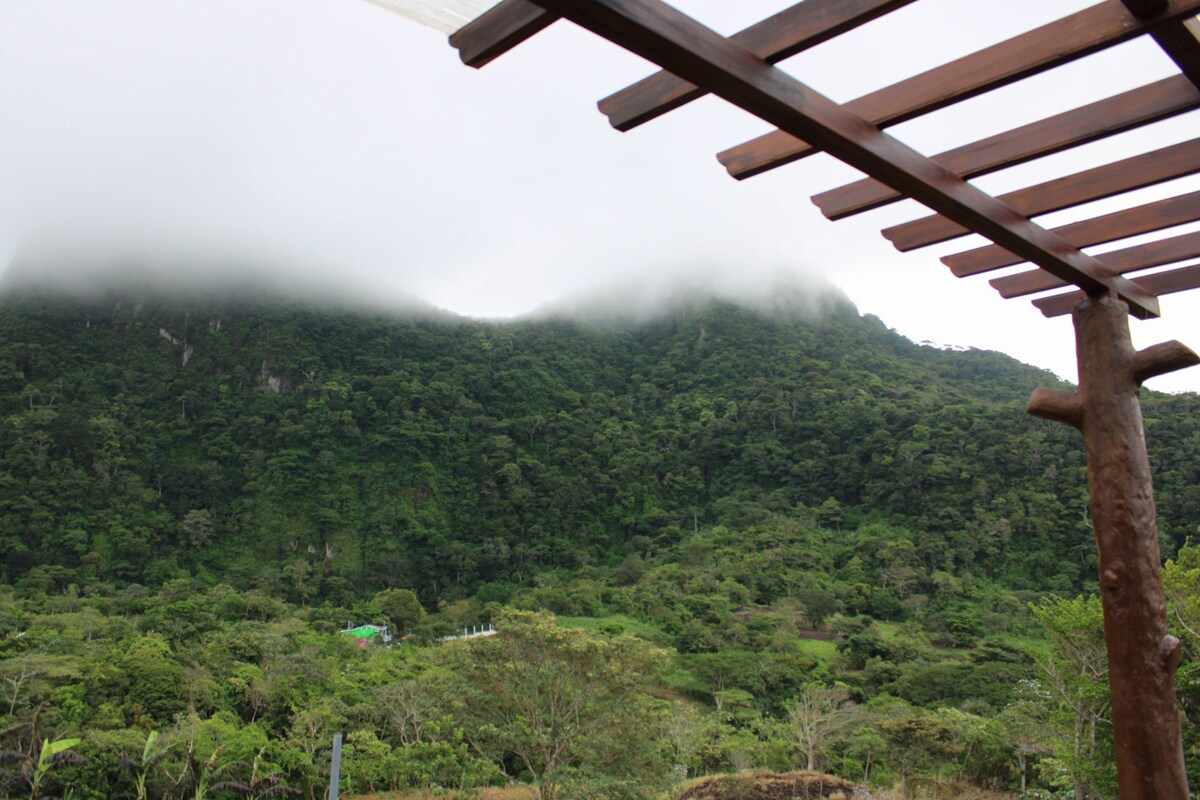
(744, 519)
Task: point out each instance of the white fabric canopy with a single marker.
(446, 16)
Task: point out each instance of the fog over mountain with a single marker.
(333, 149)
(75, 274)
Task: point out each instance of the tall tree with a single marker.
(816, 718)
(554, 698)
(1076, 673)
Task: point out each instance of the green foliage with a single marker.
(29, 775)
(328, 456)
(556, 699)
(1075, 674)
(154, 681)
(401, 608)
(739, 515)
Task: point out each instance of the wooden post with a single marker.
(1142, 654)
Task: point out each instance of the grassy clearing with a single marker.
(824, 651)
(617, 624)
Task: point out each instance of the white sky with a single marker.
(337, 144)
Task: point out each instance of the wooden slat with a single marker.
(1126, 175)
(1144, 8)
(1122, 112)
(1160, 283)
(686, 48)
(780, 36)
(1098, 230)
(1049, 46)
(1129, 259)
(1181, 41)
(498, 30)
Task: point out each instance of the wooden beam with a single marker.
(783, 35)
(1136, 172)
(1128, 259)
(1122, 112)
(1097, 230)
(1060, 42)
(1160, 283)
(1181, 42)
(681, 45)
(1160, 359)
(498, 30)
(1144, 8)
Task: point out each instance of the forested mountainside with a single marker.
(773, 537)
(325, 453)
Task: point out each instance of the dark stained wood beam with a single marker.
(1128, 259)
(680, 45)
(1089, 123)
(1097, 230)
(1144, 8)
(1148, 169)
(1160, 283)
(498, 30)
(1065, 40)
(780, 36)
(1181, 42)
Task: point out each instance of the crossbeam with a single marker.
(1089, 123)
(498, 30)
(1128, 259)
(1181, 42)
(1122, 224)
(1136, 172)
(1052, 45)
(783, 35)
(680, 45)
(1167, 282)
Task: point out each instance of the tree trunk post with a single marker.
(1142, 654)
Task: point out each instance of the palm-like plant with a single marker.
(258, 784)
(205, 772)
(29, 774)
(140, 770)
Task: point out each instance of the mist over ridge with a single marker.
(618, 301)
(194, 278)
(777, 293)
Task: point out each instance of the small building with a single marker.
(368, 634)
(472, 632)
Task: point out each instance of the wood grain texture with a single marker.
(1121, 176)
(1089, 123)
(1142, 654)
(498, 30)
(1059, 42)
(681, 45)
(1097, 230)
(780, 36)
(1167, 282)
(1128, 259)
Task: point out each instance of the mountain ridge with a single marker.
(449, 454)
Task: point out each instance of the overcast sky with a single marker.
(331, 143)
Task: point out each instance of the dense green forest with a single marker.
(773, 537)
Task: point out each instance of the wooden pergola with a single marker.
(696, 61)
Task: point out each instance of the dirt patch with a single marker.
(770, 786)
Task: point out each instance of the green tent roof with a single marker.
(364, 632)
